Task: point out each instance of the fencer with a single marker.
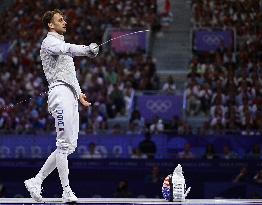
(63, 95)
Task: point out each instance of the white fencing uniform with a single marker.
(179, 185)
(174, 186)
(64, 90)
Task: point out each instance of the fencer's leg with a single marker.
(63, 170)
(62, 167)
(63, 112)
(48, 167)
(68, 194)
(50, 163)
(63, 147)
(34, 185)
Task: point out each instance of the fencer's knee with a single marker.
(71, 150)
(62, 150)
(63, 146)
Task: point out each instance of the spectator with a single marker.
(128, 97)
(210, 152)
(169, 87)
(218, 121)
(232, 120)
(184, 128)
(130, 129)
(117, 98)
(154, 177)
(242, 176)
(116, 129)
(258, 177)
(192, 96)
(157, 126)
(205, 97)
(147, 146)
(92, 152)
(186, 153)
(137, 122)
(97, 121)
(137, 154)
(227, 153)
(205, 129)
(255, 152)
(110, 76)
(122, 190)
(173, 125)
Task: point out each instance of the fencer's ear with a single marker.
(50, 25)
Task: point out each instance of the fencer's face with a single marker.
(58, 24)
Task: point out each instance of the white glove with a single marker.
(94, 48)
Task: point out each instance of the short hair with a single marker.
(48, 15)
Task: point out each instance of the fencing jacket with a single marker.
(57, 60)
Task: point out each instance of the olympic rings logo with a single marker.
(212, 39)
(158, 105)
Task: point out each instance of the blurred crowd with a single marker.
(212, 152)
(109, 80)
(225, 84)
(244, 16)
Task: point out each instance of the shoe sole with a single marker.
(69, 202)
(35, 197)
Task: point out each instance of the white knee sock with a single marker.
(62, 167)
(48, 167)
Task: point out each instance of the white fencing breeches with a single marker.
(63, 105)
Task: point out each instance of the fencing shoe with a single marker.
(69, 196)
(34, 187)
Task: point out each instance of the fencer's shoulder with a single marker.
(48, 42)
(50, 39)
(45, 41)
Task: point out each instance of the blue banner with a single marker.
(120, 146)
(163, 106)
(210, 40)
(128, 43)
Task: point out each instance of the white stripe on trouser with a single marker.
(63, 105)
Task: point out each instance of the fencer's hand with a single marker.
(94, 49)
(83, 100)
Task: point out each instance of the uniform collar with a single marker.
(57, 35)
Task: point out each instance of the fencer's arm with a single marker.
(187, 192)
(54, 46)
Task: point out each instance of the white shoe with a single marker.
(34, 188)
(69, 196)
